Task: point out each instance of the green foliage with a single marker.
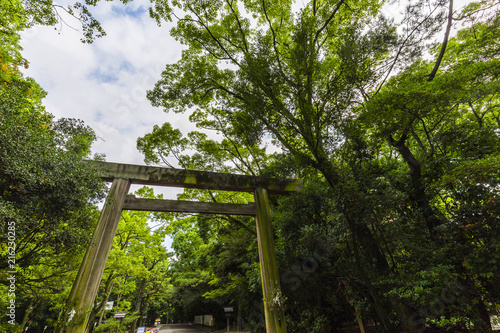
(47, 196)
(211, 267)
(45, 191)
(198, 152)
(113, 325)
(52, 14)
(401, 171)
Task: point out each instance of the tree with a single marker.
(47, 196)
(47, 199)
(446, 132)
(318, 84)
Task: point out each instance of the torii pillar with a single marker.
(273, 299)
(86, 285)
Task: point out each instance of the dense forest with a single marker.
(393, 124)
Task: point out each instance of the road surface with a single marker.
(180, 328)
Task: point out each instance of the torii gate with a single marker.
(86, 285)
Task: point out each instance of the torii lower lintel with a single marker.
(159, 205)
(74, 318)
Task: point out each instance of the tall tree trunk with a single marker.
(138, 303)
(380, 307)
(483, 321)
(432, 221)
(120, 295)
(358, 228)
(32, 305)
(144, 309)
(418, 191)
(363, 239)
(108, 285)
(105, 301)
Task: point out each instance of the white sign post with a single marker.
(228, 311)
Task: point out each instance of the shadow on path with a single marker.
(180, 328)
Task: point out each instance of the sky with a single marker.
(105, 83)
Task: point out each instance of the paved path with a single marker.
(180, 328)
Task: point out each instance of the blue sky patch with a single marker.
(110, 74)
(127, 67)
(103, 77)
(129, 11)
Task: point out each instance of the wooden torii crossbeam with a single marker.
(86, 285)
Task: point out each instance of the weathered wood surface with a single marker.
(153, 175)
(86, 285)
(271, 289)
(157, 205)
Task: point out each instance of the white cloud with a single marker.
(105, 83)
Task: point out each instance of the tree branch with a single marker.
(443, 46)
(239, 25)
(401, 49)
(327, 22)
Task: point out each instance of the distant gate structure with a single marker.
(205, 320)
(86, 285)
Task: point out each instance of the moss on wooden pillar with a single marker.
(271, 289)
(81, 299)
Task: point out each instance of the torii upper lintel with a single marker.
(154, 175)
